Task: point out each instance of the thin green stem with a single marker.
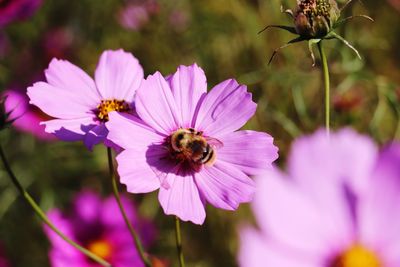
(179, 242)
(135, 236)
(43, 216)
(325, 71)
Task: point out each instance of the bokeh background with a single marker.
(221, 36)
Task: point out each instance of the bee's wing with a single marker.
(215, 143)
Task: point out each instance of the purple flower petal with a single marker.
(17, 10)
(60, 103)
(95, 136)
(121, 126)
(332, 159)
(378, 211)
(26, 119)
(258, 251)
(66, 228)
(251, 152)
(182, 199)
(70, 130)
(94, 220)
(156, 105)
(135, 171)
(118, 75)
(111, 216)
(87, 206)
(188, 84)
(60, 259)
(64, 75)
(225, 186)
(226, 108)
(296, 219)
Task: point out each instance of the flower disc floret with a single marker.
(357, 256)
(106, 106)
(101, 248)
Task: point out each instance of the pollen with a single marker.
(101, 248)
(358, 256)
(107, 106)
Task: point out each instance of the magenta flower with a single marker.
(27, 117)
(185, 143)
(338, 207)
(11, 10)
(135, 14)
(133, 17)
(80, 104)
(97, 225)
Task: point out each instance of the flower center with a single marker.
(107, 106)
(190, 147)
(313, 8)
(101, 248)
(357, 256)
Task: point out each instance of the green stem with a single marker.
(43, 216)
(135, 236)
(179, 242)
(325, 71)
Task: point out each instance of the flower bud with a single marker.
(314, 19)
(5, 120)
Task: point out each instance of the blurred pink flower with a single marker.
(179, 20)
(81, 104)
(337, 207)
(133, 17)
(57, 43)
(27, 117)
(97, 225)
(186, 145)
(12, 10)
(137, 13)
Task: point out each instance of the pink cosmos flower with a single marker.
(27, 117)
(136, 13)
(337, 207)
(11, 10)
(133, 17)
(80, 104)
(97, 225)
(186, 145)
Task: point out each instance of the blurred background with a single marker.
(221, 36)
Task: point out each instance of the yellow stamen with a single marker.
(358, 256)
(101, 248)
(107, 106)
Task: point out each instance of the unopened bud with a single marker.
(5, 120)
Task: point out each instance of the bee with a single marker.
(189, 145)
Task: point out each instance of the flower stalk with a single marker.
(325, 71)
(136, 239)
(179, 242)
(39, 212)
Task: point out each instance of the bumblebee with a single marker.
(190, 146)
